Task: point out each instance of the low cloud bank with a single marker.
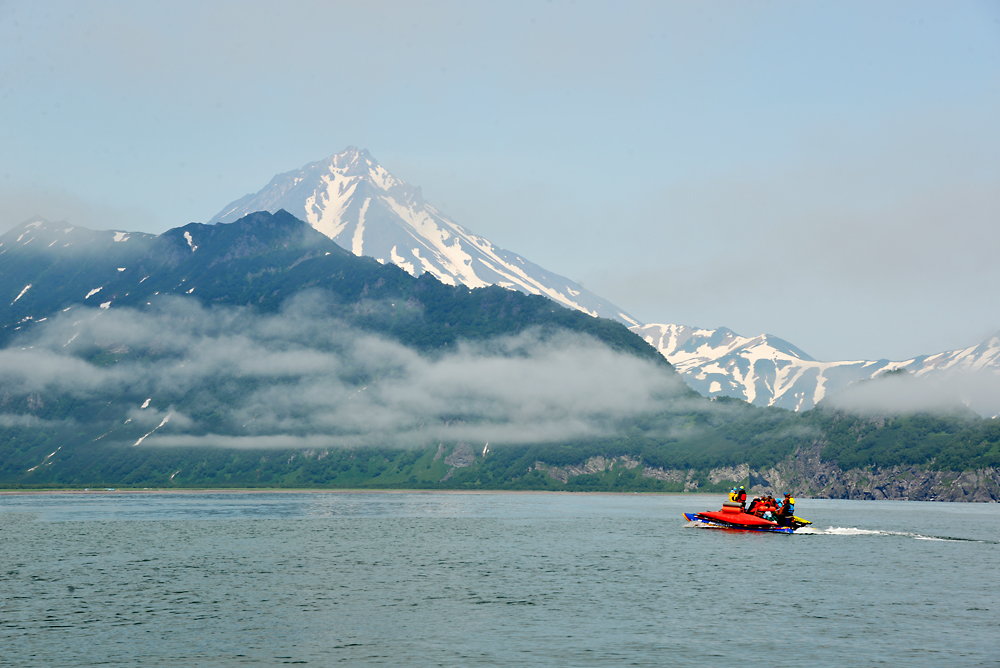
(300, 378)
(936, 392)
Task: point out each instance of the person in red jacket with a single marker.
(768, 507)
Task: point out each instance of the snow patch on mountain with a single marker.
(21, 294)
(358, 241)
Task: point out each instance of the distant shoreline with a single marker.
(43, 492)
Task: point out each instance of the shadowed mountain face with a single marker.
(46, 267)
(262, 260)
(353, 200)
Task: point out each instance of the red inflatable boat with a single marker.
(732, 517)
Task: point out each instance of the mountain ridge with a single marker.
(353, 200)
(262, 260)
(767, 371)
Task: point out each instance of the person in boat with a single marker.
(787, 506)
(787, 510)
(768, 507)
(753, 508)
(741, 498)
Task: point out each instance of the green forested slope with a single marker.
(700, 441)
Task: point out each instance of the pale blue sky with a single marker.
(827, 172)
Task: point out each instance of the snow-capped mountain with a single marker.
(767, 371)
(353, 200)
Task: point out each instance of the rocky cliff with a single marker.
(806, 474)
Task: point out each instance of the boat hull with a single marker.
(737, 522)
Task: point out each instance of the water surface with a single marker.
(489, 580)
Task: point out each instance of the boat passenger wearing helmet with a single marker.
(741, 497)
(787, 505)
(786, 510)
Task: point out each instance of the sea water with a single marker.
(364, 579)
